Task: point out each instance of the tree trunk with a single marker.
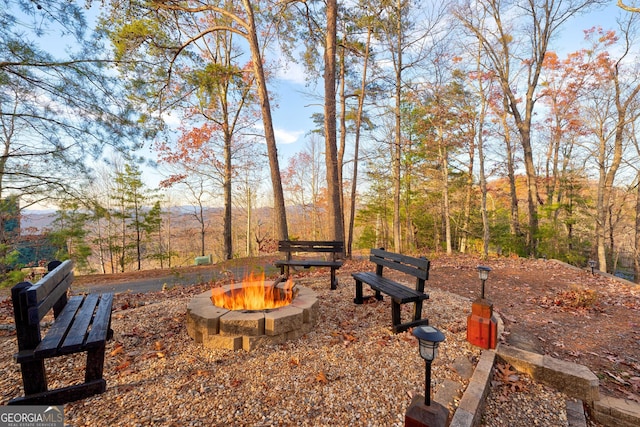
(397, 242)
(467, 201)
(343, 134)
(138, 237)
(333, 184)
(532, 190)
(607, 178)
(226, 233)
(444, 159)
(169, 238)
(249, 202)
(280, 214)
(356, 149)
(486, 232)
(514, 225)
(636, 248)
(202, 230)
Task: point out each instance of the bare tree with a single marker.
(535, 22)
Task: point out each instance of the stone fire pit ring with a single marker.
(217, 327)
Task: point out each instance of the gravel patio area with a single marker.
(350, 370)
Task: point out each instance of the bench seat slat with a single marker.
(78, 332)
(310, 246)
(400, 293)
(308, 263)
(101, 321)
(50, 344)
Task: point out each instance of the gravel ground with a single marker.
(349, 371)
(516, 401)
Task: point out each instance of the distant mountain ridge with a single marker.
(35, 221)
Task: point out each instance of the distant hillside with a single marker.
(35, 221)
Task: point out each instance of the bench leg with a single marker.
(417, 311)
(379, 296)
(358, 299)
(395, 315)
(334, 281)
(34, 377)
(95, 364)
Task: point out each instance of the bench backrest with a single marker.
(327, 246)
(31, 302)
(417, 267)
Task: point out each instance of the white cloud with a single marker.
(292, 72)
(284, 136)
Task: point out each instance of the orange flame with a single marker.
(253, 294)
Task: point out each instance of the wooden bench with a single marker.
(333, 248)
(81, 324)
(399, 293)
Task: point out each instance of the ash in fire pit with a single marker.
(219, 327)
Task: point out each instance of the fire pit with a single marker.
(216, 319)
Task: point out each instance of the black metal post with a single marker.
(482, 293)
(427, 383)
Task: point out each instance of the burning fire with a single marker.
(253, 294)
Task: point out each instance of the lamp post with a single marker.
(592, 264)
(424, 413)
(483, 273)
(482, 327)
(429, 338)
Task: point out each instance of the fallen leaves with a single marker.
(126, 359)
(321, 378)
(124, 365)
(507, 380)
(119, 348)
(574, 299)
(343, 337)
(617, 378)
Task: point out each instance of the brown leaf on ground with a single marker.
(349, 337)
(617, 378)
(117, 350)
(322, 378)
(124, 365)
(510, 378)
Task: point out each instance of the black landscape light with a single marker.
(483, 272)
(429, 338)
(592, 264)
